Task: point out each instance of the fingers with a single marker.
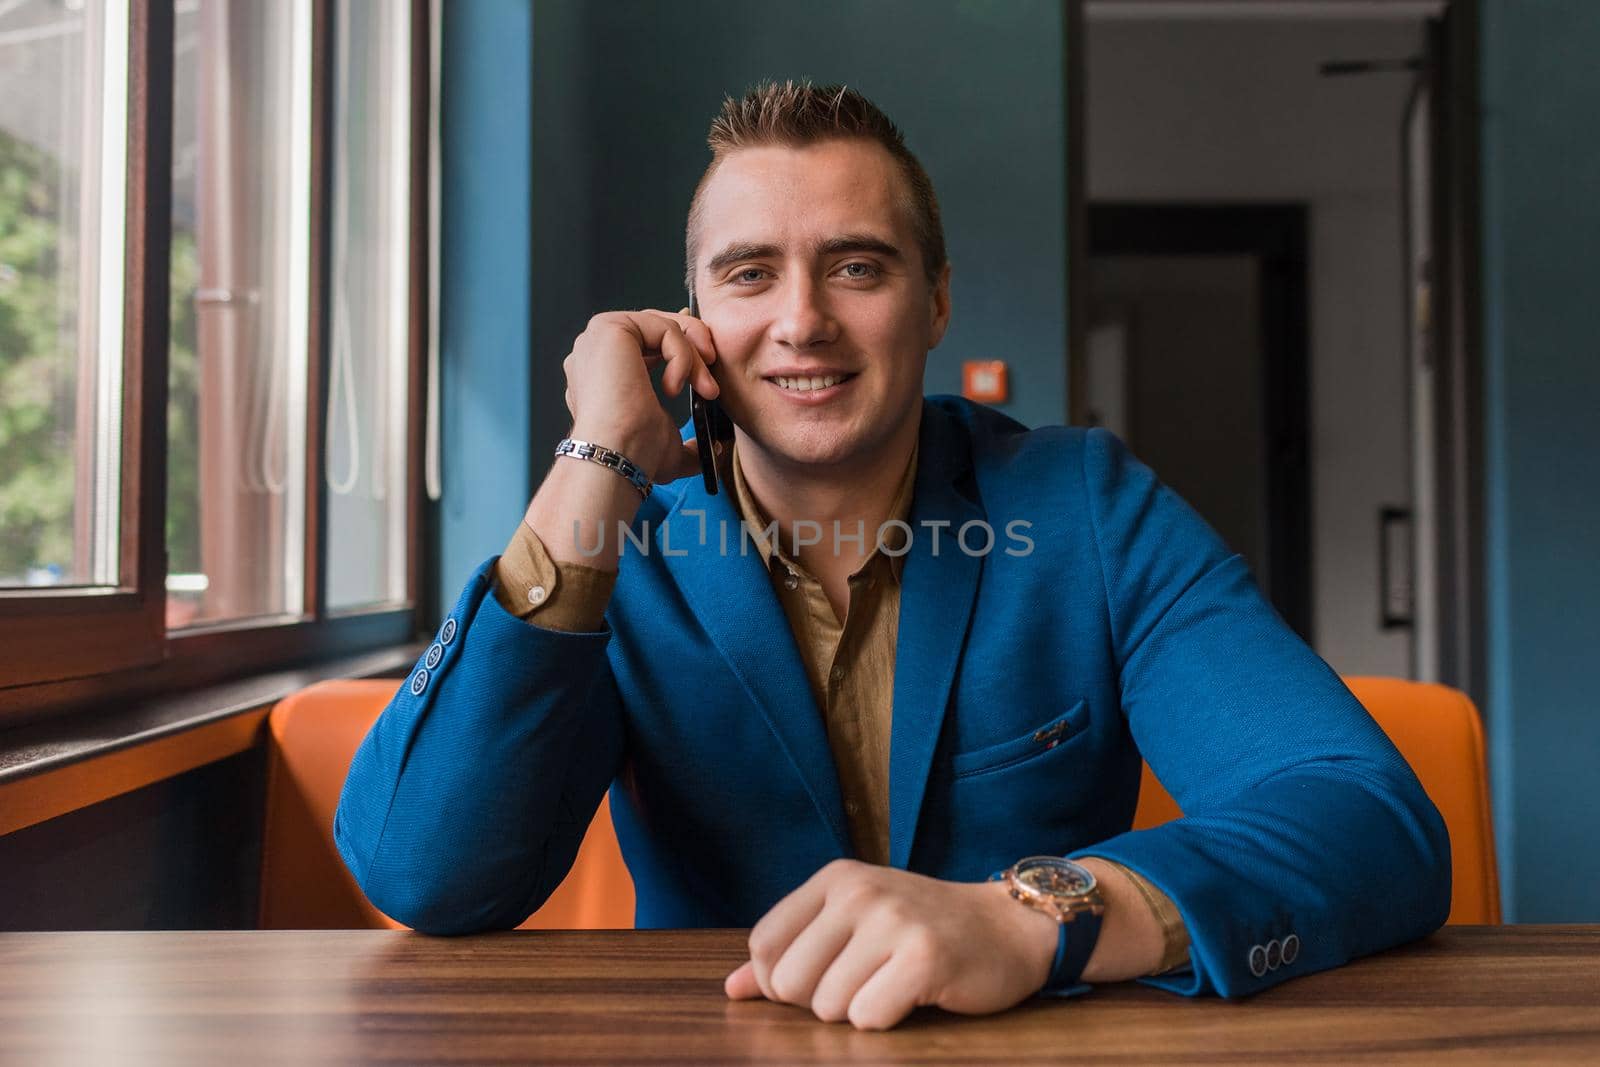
(841, 982)
(778, 928)
(891, 994)
(794, 976)
(683, 341)
(741, 984)
(845, 976)
(868, 945)
(684, 365)
(652, 323)
(693, 328)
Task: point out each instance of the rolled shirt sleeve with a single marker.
(1174, 935)
(556, 595)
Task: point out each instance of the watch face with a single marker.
(1054, 876)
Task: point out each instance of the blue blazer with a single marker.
(1129, 629)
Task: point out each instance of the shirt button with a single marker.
(435, 654)
(447, 632)
(419, 682)
(536, 594)
(791, 581)
(837, 674)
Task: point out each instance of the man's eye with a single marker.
(742, 276)
(867, 270)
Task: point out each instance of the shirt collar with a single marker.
(773, 552)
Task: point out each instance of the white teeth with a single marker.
(806, 385)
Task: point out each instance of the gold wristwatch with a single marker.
(1058, 887)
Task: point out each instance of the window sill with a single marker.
(69, 762)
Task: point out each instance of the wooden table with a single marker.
(1514, 994)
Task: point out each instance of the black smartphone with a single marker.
(710, 424)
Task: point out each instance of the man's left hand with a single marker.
(869, 944)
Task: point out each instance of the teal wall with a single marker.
(1541, 272)
(484, 285)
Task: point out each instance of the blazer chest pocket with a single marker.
(1036, 742)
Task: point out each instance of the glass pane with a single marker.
(240, 256)
(367, 384)
(63, 67)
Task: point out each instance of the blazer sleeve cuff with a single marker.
(1226, 923)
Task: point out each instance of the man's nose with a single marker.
(804, 318)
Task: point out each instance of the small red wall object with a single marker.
(984, 380)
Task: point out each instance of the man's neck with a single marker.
(848, 494)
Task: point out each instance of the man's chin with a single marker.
(842, 443)
(811, 450)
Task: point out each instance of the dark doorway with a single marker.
(1197, 356)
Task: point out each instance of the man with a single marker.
(839, 737)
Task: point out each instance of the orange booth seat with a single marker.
(314, 735)
(1436, 729)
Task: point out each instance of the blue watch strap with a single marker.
(1075, 941)
(1074, 946)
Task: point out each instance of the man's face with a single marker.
(807, 268)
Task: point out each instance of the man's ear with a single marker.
(939, 312)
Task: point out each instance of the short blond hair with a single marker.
(797, 114)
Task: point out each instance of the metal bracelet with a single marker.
(604, 456)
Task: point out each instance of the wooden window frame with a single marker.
(67, 651)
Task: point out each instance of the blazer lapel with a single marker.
(937, 593)
(731, 595)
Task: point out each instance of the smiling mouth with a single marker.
(812, 384)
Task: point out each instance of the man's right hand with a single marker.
(578, 507)
(609, 392)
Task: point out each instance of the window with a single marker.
(63, 151)
(369, 342)
(240, 280)
(77, 548)
(208, 401)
